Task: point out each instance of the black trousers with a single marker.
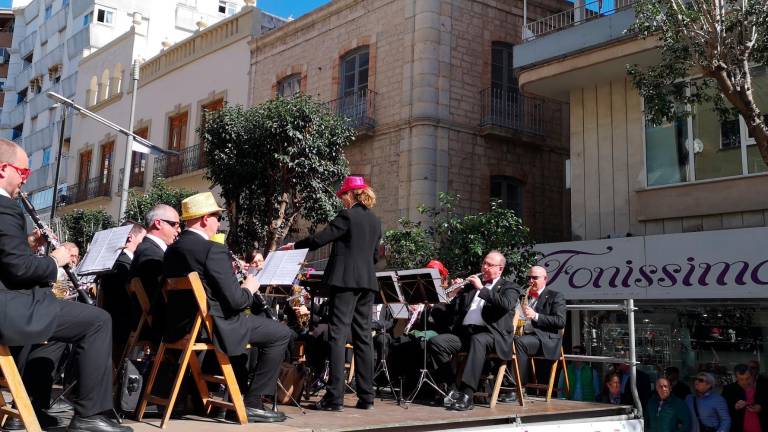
(527, 346)
(268, 339)
(350, 312)
(89, 331)
(477, 341)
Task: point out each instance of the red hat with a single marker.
(437, 265)
(351, 183)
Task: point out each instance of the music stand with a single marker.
(422, 286)
(389, 293)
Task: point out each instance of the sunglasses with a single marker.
(23, 172)
(173, 224)
(701, 380)
(218, 216)
(535, 277)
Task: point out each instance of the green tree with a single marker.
(159, 193)
(461, 241)
(720, 40)
(275, 163)
(80, 225)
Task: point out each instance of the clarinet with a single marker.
(241, 275)
(45, 231)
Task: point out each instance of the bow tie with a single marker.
(534, 294)
(488, 282)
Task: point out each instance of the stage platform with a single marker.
(388, 416)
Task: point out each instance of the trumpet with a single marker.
(458, 285)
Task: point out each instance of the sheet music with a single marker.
(281, 267)
(104, 250)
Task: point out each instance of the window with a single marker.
(504, 99)
(48, 11)
(87, 19)
(177, 140)
(703, 146)
(227, 8)
(105, 165)
(354, 86)
(21, 95)
(46, 157)
(17, 131)
(289, 85)
(502, 71)
(138, 162)
(64, 3)
(2, 84)
(509, 191)
(105, 16)
(84, 169)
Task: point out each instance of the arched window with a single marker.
(289, 85)
(117, 80)
(92, 95)
(104, 86)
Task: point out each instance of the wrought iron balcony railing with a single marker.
(189, 160)
(78, 192)
(357, 107)
(512, 110)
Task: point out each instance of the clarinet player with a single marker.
(32, 315)
(355, 233)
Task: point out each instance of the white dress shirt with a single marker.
(474, 314)
(158, 240)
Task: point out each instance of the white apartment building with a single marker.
(202, 72)
(49, 40)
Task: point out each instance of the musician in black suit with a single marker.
(350, 274)
(30, 314)
(227, 303)
(484, 311)
(113, 291)
(545, 320)
(163, 226)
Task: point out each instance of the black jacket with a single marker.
(147, 265)
(113, 292)
(227, 301)
(733, 393)
(355, 233)
(498, 312)
(551, 310)
(28, 309)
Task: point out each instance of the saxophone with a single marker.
(519, 319)
(297, 300)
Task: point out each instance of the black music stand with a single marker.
(389, 293)
(422, 286)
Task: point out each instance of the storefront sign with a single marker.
(727, 264)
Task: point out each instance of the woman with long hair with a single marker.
(351, 277)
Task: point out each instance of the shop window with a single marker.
(509, 191)
(289, 86)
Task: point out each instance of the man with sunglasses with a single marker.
(544, 321)
(30, 314)
(163, 227)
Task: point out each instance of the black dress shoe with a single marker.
(326, 405)
(464, 403)
(96, 423)
(14, 424)
(361, 404)
(507, 398)
(46, 421)
(256, 415)
(451, 398)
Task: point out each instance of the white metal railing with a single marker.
(54, 24)
(27, 44)
(568, 18)
(629, 308)
(78, 42)
(41, 139)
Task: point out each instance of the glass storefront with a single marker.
(693, 335)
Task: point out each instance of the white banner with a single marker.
(728, 264)
(594, 425)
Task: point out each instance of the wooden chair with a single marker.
(501, 372)
(136, 289)
(550, 385)
(188, 346)
(12, 380)
(350, 366)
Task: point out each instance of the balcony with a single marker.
(505, 111)
(42, 138)
(54, 57)
(358, 108)
(69, 85)
(38, 178)
(27, 44)
(136, 180)
(41, 102)
(189, 160)
(574, 30)
(54, 24)
(12, 116)
(93, 188)
(79, 42)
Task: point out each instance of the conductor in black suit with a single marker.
(30, 314)
(227, 303)
(483, 312)
(545, 320)
(163, 226)
(350, 274)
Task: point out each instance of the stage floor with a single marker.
(387, 415)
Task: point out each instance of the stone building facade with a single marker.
(430, 87)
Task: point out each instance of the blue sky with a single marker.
(287, 8)
(5, 4)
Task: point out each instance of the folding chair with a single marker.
(136, 289)
(188, 345)
(12, 380)
(552, 375)
(498, 377)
